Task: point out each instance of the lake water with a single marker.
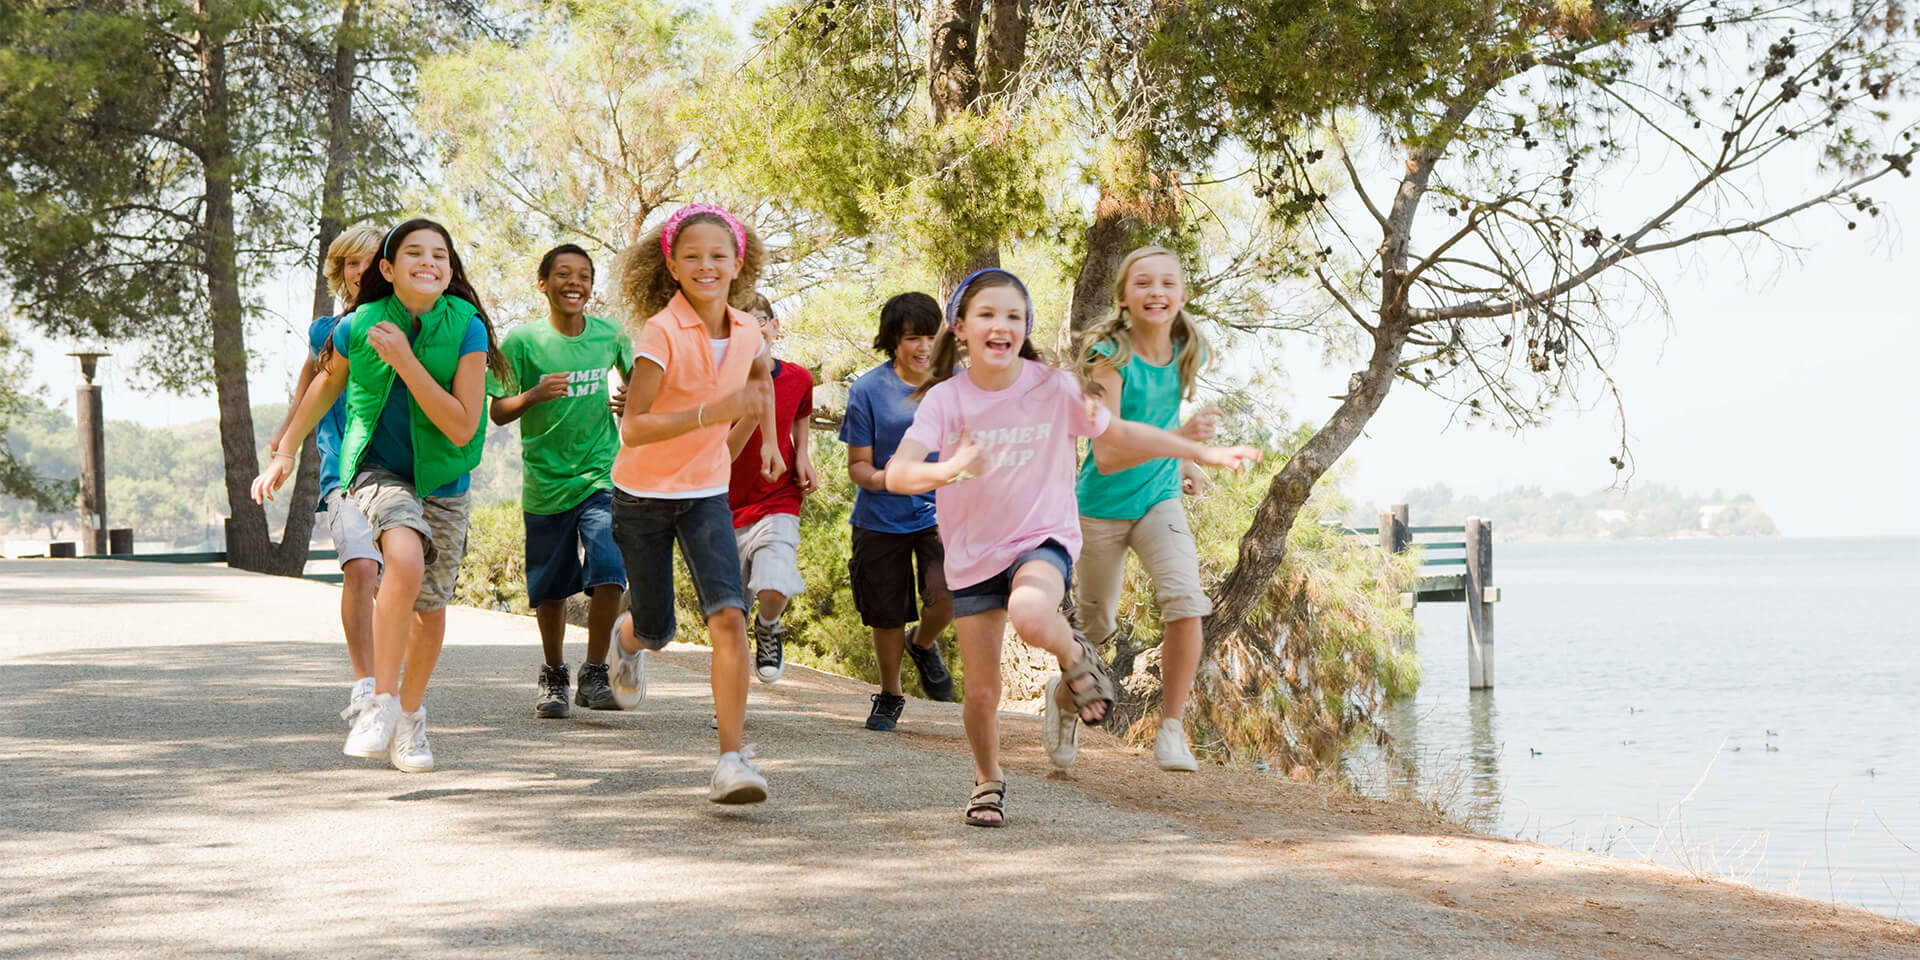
(1747, 709)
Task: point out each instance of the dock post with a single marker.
(1479, 612)
(1394, 540)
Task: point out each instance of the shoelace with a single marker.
(766, 645)
(747, 754)
(411, 734)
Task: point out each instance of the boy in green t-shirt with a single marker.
(568, 436)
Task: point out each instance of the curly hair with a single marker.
(646, 286)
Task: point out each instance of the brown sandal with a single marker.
(978, 803)
(1102, 690)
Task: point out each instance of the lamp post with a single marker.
(93, 451)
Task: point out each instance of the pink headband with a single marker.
(680, 216)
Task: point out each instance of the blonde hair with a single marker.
(359, 240)
(647, 286)
(1117, 329)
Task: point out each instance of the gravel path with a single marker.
(173, 787)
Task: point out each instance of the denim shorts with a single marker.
(992, 593)
(572, 551)
(646, 528)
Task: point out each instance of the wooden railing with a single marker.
(1461, 572)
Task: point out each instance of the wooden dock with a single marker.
(1451, 571)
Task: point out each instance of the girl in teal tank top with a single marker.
(1144, 358)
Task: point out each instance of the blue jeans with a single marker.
(556, 568)
(992, 593)
(646, 528)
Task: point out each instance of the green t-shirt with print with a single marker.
(567, 443)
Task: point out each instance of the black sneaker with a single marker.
(769, 650)
(886, 712)
(934, 678)
(595, 693)
(552, 704)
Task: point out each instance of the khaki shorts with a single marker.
(352, 535)
(770, 555)
(389, 503)
(1164, 543)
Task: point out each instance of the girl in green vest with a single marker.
(412, 359)
(1145, 358)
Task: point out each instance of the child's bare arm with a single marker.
(738, 436)
(909, 472)
(1126, 439)
(862, 472)
(641, 424)
(802, 456)
(321, 391)
(760, 380)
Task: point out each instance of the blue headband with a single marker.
(960, 290)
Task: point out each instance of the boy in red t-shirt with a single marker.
(766, 514)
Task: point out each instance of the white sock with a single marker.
(363, 687)
(761, 618)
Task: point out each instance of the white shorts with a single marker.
(770, 555)
(352, 534)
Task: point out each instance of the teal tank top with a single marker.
(1149, 394)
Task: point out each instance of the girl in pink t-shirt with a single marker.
(1005, 428)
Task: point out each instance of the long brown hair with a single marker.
(646, 285)
(948, 349)
(1117, 329)
(374, 287)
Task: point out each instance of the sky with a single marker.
(1780, 375)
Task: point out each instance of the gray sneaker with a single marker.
(551, 704)
(594, 691)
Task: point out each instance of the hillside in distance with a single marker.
(1640, 512)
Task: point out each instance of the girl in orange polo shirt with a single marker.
(699, 366)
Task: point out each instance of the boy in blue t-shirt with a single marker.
(347, 257)
(895, 533)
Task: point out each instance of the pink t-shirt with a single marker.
(1026, 495)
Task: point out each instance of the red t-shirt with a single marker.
(751, 497)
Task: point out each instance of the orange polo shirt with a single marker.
(693, 464)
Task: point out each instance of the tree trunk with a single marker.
(1265, 542)
(953, 79)
(1006, 45)
(291, 555)
(1109, 238)
(248, 546)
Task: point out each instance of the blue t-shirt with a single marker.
(392, 443)
(327, 434)
(878, 415)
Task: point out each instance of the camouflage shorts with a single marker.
(390, 503)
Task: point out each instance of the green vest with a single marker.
(436, 459)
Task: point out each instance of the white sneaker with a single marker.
(373, 729)
(358, 699)
(410, 752)
(737, 780)
(629, 675)
(1059, 729)
(1170, 747)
